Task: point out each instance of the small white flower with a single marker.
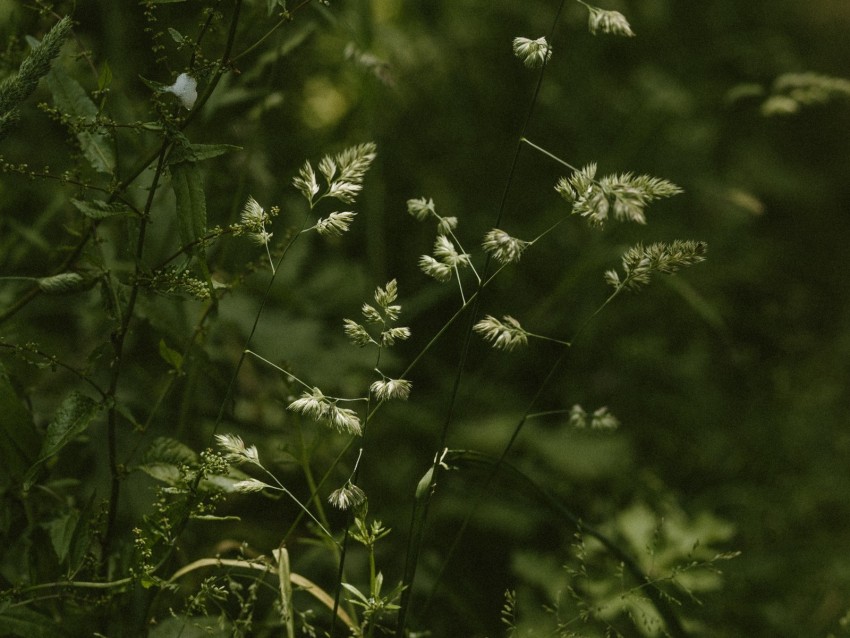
(391, 389)
(235, 448)
(335, 224)
(505, 335)
(249, 485)
(314, 405)
(578, 417)
(253, 216)
(357, 333)
(612, 22)
(306, 182)
(388, 294)
(344, 420)
(502, 247)
(604, 420)
(533, 53)
(445, 251)
(349, 495)
(344, 191)
(399, 333)
(446, 225)
(436, 269)
(420, 208)
(186, 89)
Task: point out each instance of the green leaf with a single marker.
(61, 532)
(171, 357)
(99, 209)
(19, 438)
(176, 35)
(273, 4)
(72, 418)
(104, 77)
(164, 472)
(64, 283)
(165, 450)
(188, 185)
(21, 621)
(163, 459)
(201, 152)
(72, 99)
(424, 483)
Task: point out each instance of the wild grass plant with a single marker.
(162, 383)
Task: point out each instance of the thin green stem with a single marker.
(547, 153)
(420, 513)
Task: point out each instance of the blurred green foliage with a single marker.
(730, 380)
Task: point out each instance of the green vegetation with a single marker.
(377, 317)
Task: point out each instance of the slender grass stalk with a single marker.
(419, 514)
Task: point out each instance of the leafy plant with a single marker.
(127, 474)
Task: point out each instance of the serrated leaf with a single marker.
(200, 152)
(165, 450)
(72, 418)
(224, 483)
(99, 209)
(188, 185)
(164, 472)
(64, 283)
(61, 532)
(71, 98)
(19, 439)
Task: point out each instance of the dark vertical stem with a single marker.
(118, 339)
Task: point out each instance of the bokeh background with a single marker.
(730, 379)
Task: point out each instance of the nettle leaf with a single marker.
(72, 418)
(72, 99)
(61, 532)
(200, 152)
(99, 209)
(164, 458)
(166, 450)
(19, 438)
(188, 184)
(64, 283)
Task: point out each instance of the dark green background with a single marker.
(730, 380)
